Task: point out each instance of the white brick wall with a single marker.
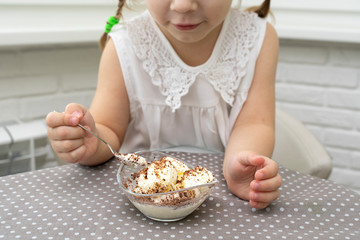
(37, 80)
(317, 82)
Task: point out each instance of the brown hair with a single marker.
(118, 15)
(262, 10)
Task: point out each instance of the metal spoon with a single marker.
(131, 158)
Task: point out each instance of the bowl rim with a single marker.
(212, 183)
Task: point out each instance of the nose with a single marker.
(183, 6)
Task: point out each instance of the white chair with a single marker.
(22, 145)
(298, 149)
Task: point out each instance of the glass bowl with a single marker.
(166, 207)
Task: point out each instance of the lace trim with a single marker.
(225, 73)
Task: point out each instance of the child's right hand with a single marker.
(71, 143)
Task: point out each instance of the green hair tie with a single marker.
(110, 23)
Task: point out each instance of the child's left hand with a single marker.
(253, 177)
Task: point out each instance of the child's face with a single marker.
(189, 21)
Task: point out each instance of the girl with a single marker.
(185, 72)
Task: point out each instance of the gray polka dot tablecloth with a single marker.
(77, 202)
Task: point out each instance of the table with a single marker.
(78, 202)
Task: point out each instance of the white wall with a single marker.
(318, 81)
(32, 22)
(324, 20)
(39, 79)
(68, 21)
(319, 84)
(36, 80)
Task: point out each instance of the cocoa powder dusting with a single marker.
(172, 198)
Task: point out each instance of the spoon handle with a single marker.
(111, 149)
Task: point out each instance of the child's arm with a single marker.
(108, 117)
(248, 169)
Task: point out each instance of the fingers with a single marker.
(265, 167)
(253, 177)
(68, 143)
(74, 156)
(67, 140)
(267, 185)
(259, 199)
(55, 119)
(259, 205)
(71, 117)
(75, 113)
(65, 133)
(247, 158)
(75, 108)
(265, 191)
(66, 146)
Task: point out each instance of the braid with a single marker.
(118, 16)
(262, 10)
(119, 9)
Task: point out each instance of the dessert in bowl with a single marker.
(167, 189)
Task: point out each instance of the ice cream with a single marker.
(197, 176)
(132, 158)
(169, 174)
(167, 189)
(180, 166)
(159, 176)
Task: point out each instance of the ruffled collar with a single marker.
(224, 69)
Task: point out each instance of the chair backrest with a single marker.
(298, 149)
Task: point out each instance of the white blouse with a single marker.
(174, 104)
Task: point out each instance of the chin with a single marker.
(189, 37)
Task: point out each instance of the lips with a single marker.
(186, 27)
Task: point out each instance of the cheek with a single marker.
(158, 12)
(218, 11)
